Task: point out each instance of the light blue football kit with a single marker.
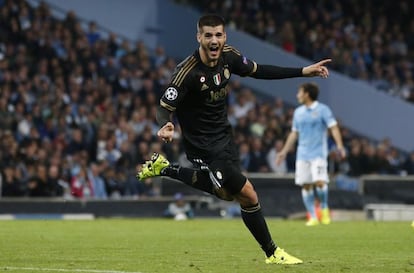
(311, 124)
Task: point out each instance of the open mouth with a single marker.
(214, 50)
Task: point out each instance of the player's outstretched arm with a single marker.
(273, 72)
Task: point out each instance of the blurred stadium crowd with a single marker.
(372, 41)
(77, 110)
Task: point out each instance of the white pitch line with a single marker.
(63, 270)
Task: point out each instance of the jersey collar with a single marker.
(198, 57)
(313, 105)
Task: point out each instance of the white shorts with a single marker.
(311, 171)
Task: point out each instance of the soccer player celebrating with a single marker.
(311, 121)
(197, 95)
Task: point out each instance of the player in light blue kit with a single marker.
(311, 122)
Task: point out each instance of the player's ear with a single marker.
(198, 37)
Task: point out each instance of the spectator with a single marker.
(280, 168)
(10, 183)
(76, 142)
(38, 185)
(409, 164)
(243, 104)
(97, 182)
(355, 160)
(93, 35)
(115, 183)
(54, 180)
(244, 156)
(81, 186)
(179, 209)
(257, 156)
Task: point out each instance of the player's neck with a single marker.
(309, 103)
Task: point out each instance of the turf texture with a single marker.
(200, 245)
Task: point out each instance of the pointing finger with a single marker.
(324, 61)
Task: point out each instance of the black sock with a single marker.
(192, 177)
(255, 222)
(170, 171)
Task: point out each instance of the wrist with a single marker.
(169, 124)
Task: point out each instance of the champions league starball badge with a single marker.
(171, 93)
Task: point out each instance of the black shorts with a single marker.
(225, 166)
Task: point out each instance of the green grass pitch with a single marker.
(200, 245)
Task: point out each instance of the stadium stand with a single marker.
(78, 113)
(371, 41)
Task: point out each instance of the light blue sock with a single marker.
(322, 194)
(309, 200)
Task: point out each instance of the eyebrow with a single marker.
(211, 33)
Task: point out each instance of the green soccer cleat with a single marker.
(312, 222)
(153, 167)
(282, 257)
(326, 217)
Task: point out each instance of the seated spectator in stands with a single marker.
(159, 57)
(80, 185)
(115, 183)
(369, 160)
(9, 183)
(243, 104)
(242, 127)
(258, 161)
(98, 183)
(180, 209)
(271, 158)
(76, 142)
(244, 156)
(409, 164)
(37, 185)
(132, 185)
(258, 126)
(383, 165)
(111, 153)
(395, 161)
(54, 178)
(355, 160)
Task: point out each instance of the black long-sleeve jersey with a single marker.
(197, 93)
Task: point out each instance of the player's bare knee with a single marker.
(247, 195)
